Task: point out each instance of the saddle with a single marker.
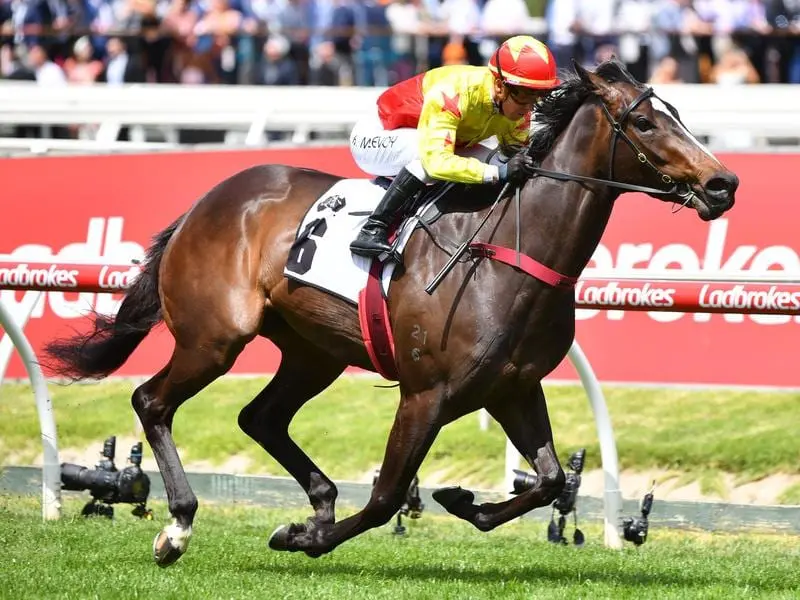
(320, 255)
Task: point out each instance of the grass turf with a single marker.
(439, 558)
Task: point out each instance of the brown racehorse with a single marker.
(484, 338)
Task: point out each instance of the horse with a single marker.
(484, 338)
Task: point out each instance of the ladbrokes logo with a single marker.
(22, 275)
(689, 296)
(615, 294)
(740, 298)
(104, 240)
(715, 259)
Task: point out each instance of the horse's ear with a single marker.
(580, 71)
(593, 80)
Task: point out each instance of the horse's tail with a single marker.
(108, 345)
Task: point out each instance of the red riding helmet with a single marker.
(526, 62)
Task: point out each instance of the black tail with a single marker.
(103, 350)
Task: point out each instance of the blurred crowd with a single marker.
(379, 42)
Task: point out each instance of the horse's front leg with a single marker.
(415, 428)
(527, 424)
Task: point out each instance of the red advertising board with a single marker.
(111, 206)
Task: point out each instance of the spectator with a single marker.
(294, 23)
(562, 31)
(675, 23)
(634, 17)
(463, 20)
(325, 67)
(178, 23)
(373, 46)
(12, 64)
(27, 20)
(749, 26)
(734, 68)
(783, 17)
(45, 70)
(120, 67)
(666, 71)
(454, 54)
(404, 20)
(596, 23)
(214, 35)
(82, 67)
(503, 18)
(343, 23)
(379, 42)
(278, 67)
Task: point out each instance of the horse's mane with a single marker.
(557, 109)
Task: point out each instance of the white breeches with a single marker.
(378, 151)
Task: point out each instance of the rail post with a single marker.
(51, 466)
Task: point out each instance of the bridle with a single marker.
(682, 190)
(619, 131)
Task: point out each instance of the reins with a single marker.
(617, 127)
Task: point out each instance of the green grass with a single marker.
(791, 495)
(440, 558)
(699, 435)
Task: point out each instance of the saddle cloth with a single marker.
(321, 256)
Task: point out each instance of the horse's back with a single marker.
(262, 186)
(255, 200)
(238, 235)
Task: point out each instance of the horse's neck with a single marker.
(566, 220)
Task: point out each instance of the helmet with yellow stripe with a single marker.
(524, 61)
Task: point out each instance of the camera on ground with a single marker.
(634, 529)
(566, 501)
(108, 485)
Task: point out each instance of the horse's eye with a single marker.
(642, 124)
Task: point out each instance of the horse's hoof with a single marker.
(450, 497)
(279, 540)
(286, 538)
(283, 537)
(164, 552)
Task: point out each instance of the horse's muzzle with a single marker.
(719, 195)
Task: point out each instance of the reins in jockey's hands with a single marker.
(519, 168)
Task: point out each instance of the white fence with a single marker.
(746, 116)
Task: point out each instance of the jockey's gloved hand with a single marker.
(518, 168)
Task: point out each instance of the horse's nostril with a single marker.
(725, 183)
(718, 184)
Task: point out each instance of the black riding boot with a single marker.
(373, 239)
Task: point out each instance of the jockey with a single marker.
(430, 127)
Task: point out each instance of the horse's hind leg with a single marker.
(527, 424)
(415, 428)
(304, 371)
(155, 402)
